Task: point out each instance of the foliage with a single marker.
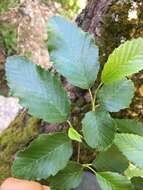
(75, 57)
(69, 7)
(6, 4)
(8, 38)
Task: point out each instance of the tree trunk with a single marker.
(111, 23)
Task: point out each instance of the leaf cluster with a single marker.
(117, 142)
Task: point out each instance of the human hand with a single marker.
(16, 184)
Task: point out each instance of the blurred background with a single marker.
(19, 20)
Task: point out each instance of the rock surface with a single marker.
(9, 107)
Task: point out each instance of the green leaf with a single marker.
(133, 171)
(103, 161)
(125, 60)
(137, 182)
(113, 181)
(73, 52)
(45, 156)
(98, 129)
(117, 95)
(38, 90)
(129, 126)
(74, 135)
(69, 178)
(131, 146)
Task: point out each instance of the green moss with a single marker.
(116, 28)
(17, 136)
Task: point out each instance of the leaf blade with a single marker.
(117, 95)
(69, 178)
(124, 61)
(74, 135)
(73, 52)
(131, 146)
(38, 90)
(113, 181)
(98, 129)
(129, 126)
(39, 160)
(118, 164)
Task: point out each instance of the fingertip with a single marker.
(16, 184)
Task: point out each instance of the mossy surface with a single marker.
(116, 29)
(18, 135)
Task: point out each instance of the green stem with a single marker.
(78, 151)
(92, 100)
(69, 123)
(89, 167)
(99, 86)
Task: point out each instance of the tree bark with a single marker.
(109, 22)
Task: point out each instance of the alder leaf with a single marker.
(46, 156)
(111, 160)
(129, 126)
(131, 146)
(73, 52)
(117, 95)
(38, 90)
(137, 182)
(98, 129)
(74, 135)
(133, 171)
(113, 181)
(125, 60)
(68, 178)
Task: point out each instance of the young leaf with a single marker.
(131, 146)
(74, 135)
(73, 52)
(129, 126)
(127, 59)
(118, 163)
(98, 129)
(46, 156)
(38, 90)
(117, 95)
(133, 171)
(113, 181)
(69, 178)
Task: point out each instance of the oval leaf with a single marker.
(38, 90)
(98, 129)
(113, 181)
(131, 146)
(74, 135)
(69, 178)
(129, 126)
(119, 163)
(117, 95)
(73, 52)
(45, 156)
(127, 59)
